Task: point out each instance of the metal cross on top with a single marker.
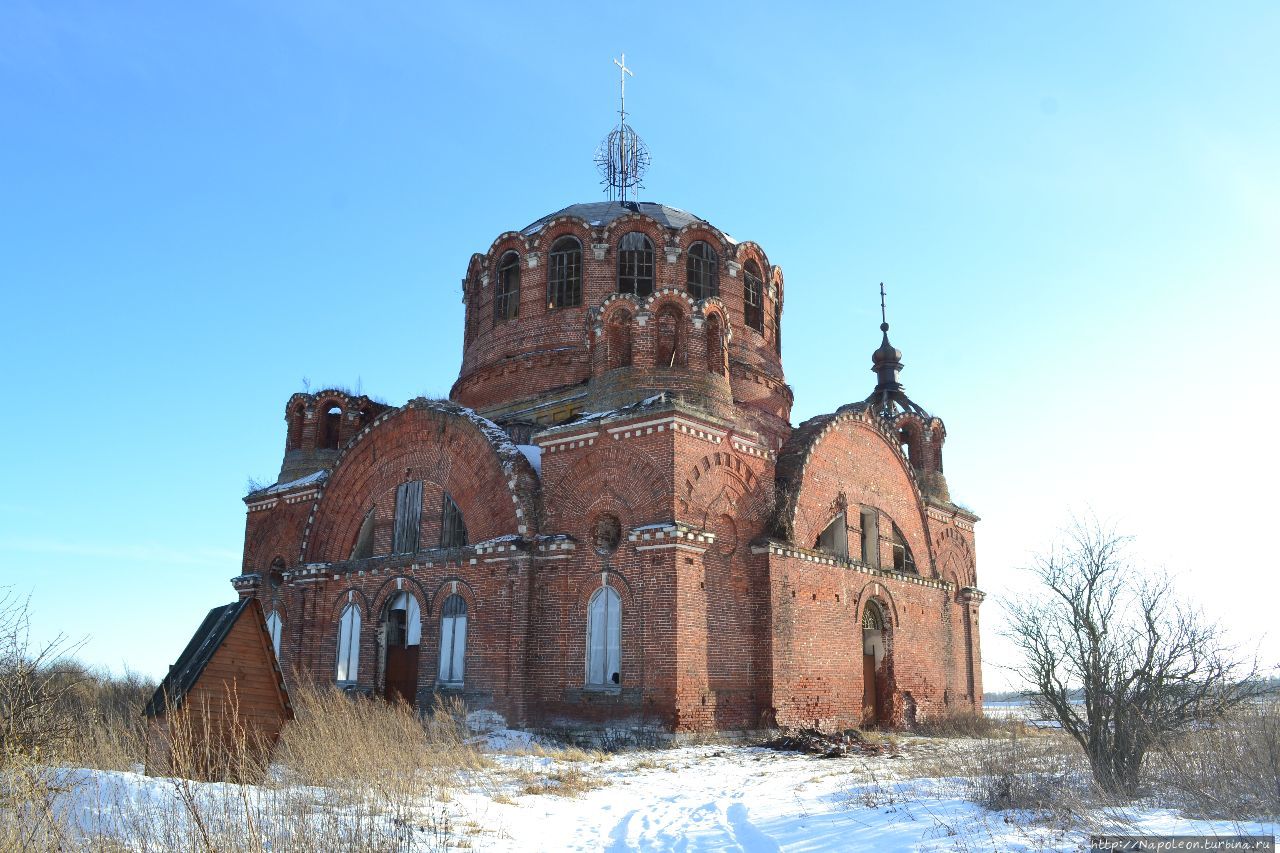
(622, 81)
(883, 319)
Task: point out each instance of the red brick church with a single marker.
(612, 521)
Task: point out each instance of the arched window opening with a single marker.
(753, 296)
(604, 639)
(364, 539)
(670, 349)
(453, 530)
(506, 298)
(870, 537)
(701, 273)
(777, 328)
(564, 273)
(873, 617)
(349, 644)
(274, 628)
(408, 517)
(835, 538)
(453, 640)
(330, 423)
(275, 574)
(619, 340)
(715, 345)
(903, 561)
(635, 264)
(606, 534)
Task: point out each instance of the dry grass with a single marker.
(967, 724)
(1227, 771)
(571, 781)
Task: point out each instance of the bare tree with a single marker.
(1117, 658)
(34, 684)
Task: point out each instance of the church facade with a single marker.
(611, 522)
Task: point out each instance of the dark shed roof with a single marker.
(184, 674)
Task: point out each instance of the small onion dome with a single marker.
(888, 353)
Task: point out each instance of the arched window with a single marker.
(873, 617)
(330, 422)
(506, 296)
(453, 530)
(408, 517)
(619, 340)
(635, 264)
(715, 345)
(701, 274)
(274, 626)
(364, 539)
(870, 540)
(564, 273)
(670, 349)
(604, 638)
(777, 327)
(453, 639)
(753, 296)
(903, 561)
(349, 644)
(835, 539)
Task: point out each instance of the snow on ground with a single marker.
(708, 797)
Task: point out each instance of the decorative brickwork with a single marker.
(635, 443)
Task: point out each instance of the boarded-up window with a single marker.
(670, 338)
(619, 340)
(604, 639)
(715, 345)
(564, 273)
(274, 628)
(453, 639)
(753, 296)
(453, 529)
(871, 538)
(835, 539)
(635, 264)
(903, 561)
(408, 517)
(506, 296)
(364, 539)
(349, 644)
(701, 276)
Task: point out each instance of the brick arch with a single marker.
(437, 441)
(562, 226)
(749, 250)
(955, 556)
(587, 587)
(832, 453)
(384, 593)
(650, 227)
(708, 233)
(507, 241)
(640, 487)
(878, 592)
(447, 587)
(339, 603)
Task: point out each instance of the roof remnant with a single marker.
(184, 674)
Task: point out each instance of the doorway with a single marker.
(875, 665)
(402, 627)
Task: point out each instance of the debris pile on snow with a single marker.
(825, 744)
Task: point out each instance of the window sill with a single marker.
(614, 689)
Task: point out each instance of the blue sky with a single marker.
(1075, 208)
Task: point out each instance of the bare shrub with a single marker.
(1041, 773)
(1147, 666)
(1229, 770)
(33, 684)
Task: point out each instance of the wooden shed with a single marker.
(219, 711)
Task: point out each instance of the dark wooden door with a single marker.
(402, 673)
(869, 710)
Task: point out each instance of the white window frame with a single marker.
(274, 627)
(348, 670)
(453, 643)
(604, 639)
